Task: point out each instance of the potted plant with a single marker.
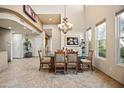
(83, 48)
(27, 48)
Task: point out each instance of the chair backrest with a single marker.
(60, 50)
(90, 55)
(72, 56)
(40, 54)
(59, 56)
(69, 50)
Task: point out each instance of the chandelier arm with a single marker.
(65, 26)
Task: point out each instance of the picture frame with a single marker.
(72, 40)
(29, 12)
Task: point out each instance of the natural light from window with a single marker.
(88, 40)
(101, 40)
(120, 18)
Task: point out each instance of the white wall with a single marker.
(3, 60)
(49, 45)
(5, 41)
(93, 15)
(56, 37)
(38, 45)
(73, 12)
(36, 41)
(43, 42)
(75, 15)
(17, 44)
(16, 22)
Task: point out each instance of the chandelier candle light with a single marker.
(65, 26)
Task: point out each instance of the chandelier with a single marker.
(65, 26)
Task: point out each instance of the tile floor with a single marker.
(23, 73)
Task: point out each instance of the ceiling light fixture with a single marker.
(50, 19)
(24, 27)
(65, 26)
(10, 27)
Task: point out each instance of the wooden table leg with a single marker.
(79, 66)
(52, 65)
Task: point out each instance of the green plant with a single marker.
(102, 52)
(27, 45)
(122, 52)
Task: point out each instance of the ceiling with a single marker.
(50, 18)
(15, 27)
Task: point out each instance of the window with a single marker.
(120, 26)
(88, 40)
(101, 40)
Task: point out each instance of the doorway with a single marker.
(17, 45)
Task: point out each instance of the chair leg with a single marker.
(67, 68)
(49, 67)
(82, 67)
(76, 68)
(55, 70)
(64, 70)
(40, 67)
(91, 67)
(88, 66)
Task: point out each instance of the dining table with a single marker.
(52, 60)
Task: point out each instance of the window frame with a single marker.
(96, 40)
(117, 27)
(89, 29)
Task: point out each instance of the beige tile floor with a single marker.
(23, 73)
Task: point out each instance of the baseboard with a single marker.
(109, 76)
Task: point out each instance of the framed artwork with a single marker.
(29, 12)
(72, 40)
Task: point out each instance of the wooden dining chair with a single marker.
(59, 62)
(72, 60)
(43, 61)
(88, 61)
